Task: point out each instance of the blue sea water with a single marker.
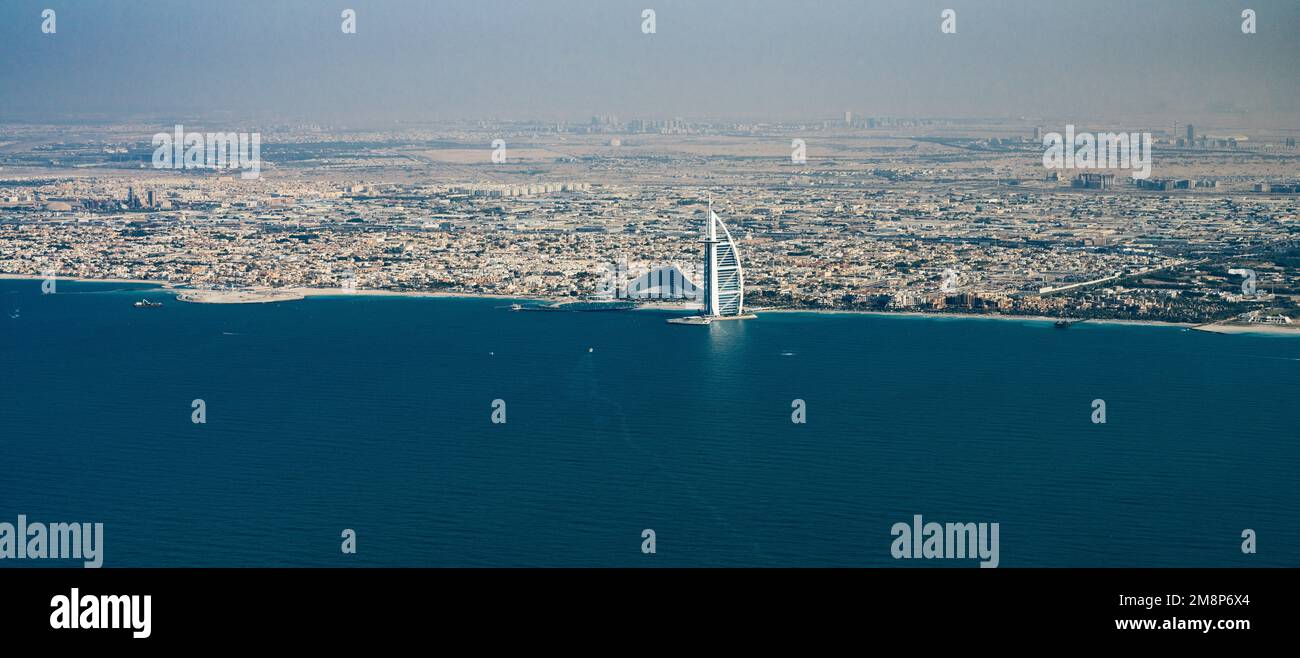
(373, 413)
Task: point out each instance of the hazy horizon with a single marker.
(569, 59)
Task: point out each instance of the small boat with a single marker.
(144, 303)
(1065, 324)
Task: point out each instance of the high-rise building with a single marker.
(848, 118)
(724, 279)
(1191, 136)
(1093, 181)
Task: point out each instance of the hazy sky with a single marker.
(570, 59)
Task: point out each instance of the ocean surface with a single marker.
(374, 413)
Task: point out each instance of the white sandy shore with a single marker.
(1267, 329)
(264, 295)
(237, 296)
(333, 292)
(973, 316)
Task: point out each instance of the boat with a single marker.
(144, 303)
(1065, 324)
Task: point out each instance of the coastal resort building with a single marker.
(724, 276)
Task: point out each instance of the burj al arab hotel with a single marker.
(724, 277)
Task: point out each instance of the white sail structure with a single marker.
(724, 279)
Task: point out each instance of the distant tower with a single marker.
(848, 119)
(724, 280)
(1191, 135)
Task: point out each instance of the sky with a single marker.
(416, 60)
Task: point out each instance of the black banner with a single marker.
(238, 606)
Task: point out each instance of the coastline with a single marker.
(60, 277)
(1261, 329)
(262, 295)
(366, 292)
(1211, 327)
(979, 316)
(269, 295)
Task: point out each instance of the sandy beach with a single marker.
(1265, 329)
(345, 292)
(974, 316)
(265, 295)
(237, 296)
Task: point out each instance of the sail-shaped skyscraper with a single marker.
(724, 277)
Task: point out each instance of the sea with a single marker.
(375, 414)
